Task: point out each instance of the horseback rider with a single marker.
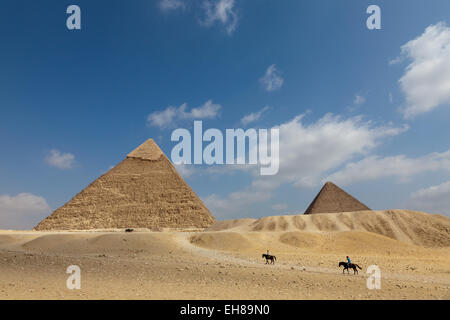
(348, 261)
(269, 257)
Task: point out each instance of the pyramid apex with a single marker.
(330, 185)
(149, 150)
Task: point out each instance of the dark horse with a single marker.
(347, 266)
(268, 258)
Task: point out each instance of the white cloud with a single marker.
(235, 203)
(208, 110)
(307, 152)
(171, 115)
(21, 211)
(190, 170)
(185, 171)
(272, 80)
(435, 199)
(220, 11)
(229, 169)
(168, 5)
(426, 82)
(400, 166)
(164, 118)
(254, 116)
(279, 206)
(359, 99)
(60, 160)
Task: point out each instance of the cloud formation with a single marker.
(168, 5)
(434, 199)
(172, 115)
(272, 80)
(184, 170)
(22, 211)
(222, 12)
(426, 82)
(279, 206)
(254, 116)
(308, 152)
(399, 166)
(235, 202)
(359, 99)
(60, 160)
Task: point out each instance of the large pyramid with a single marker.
(143, 191)
(332, 199)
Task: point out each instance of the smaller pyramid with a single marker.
(332, 199)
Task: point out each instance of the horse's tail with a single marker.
(275, 258)
(358, 267)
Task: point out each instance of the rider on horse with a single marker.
(348, 261)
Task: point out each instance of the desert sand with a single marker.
(412, 249)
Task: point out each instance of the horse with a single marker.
(269, 257)
(347, 266)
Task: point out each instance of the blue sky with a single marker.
(352, 105)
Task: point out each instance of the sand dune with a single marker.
(231, 224)
(407, 226)
(94, 243)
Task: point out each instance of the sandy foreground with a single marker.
(224, 262)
